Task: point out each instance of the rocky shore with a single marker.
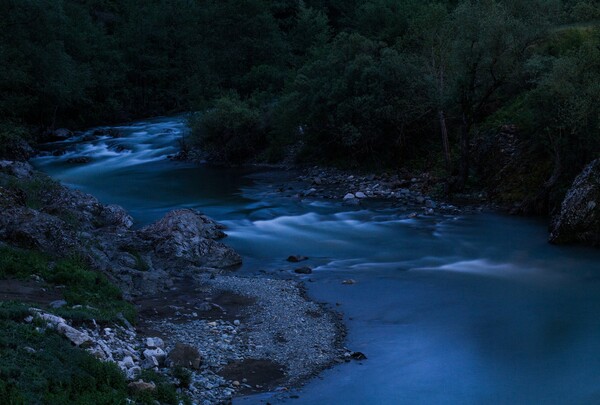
(227, 333)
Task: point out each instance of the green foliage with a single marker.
(183, 375)
(97, 297)
(356, 99)
(232, 131)
(12, 138)
(355, 82)
(41, 367)
(35, 189)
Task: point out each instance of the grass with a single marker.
(40, 367)
(97, 297)
(35, 188)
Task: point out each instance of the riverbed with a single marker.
(472, 308)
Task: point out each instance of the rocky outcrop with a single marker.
(191, 238)
(40, 214)
(579, 217)
(31, 229)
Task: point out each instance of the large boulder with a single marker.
(31, 229)
(579, 217)
(187, 236)
(20, 170)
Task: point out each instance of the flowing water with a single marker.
(467, 309)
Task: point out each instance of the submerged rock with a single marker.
(303, 270)
(296, 258)
(579, 217)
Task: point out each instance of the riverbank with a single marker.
(243, 334)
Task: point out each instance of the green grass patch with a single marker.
(93, 294)
(35, 189)
(40, 367)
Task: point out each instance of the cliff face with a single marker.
(579, 217)
(40, 214)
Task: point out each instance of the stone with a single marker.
(349, 281)
(190, 237)
(237, 322)
(149, 363)
(158, 354)
(184, 355)
(296, 258)
(58, 304)
(30, 229)
(115, 215)
(349, 196)
(358, 356)
(141, 386)
(317, 181)
(430, 204)
(134, 372)
(127, 362)
(360, 195)
(76, 337)
(303, 270)
(579, 218)
(155, 342)
(21, 170)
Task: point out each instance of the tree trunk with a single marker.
(463, 169)
(445, 142)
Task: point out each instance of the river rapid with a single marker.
(464, 309)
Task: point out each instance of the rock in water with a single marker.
(190, 237)
(579, 217)
(296, 258)
(303, 270)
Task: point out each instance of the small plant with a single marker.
(183, 375)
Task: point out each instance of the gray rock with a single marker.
(31, 229)
(150, 363)
(134, 372)
(127, 362)
(303, 270)
(296, 258)
(579, 217)
(58, 304)
(184, 355)
(349, 196)
(360, 195)
(141, 386)
(21, 170)
(155, 342)
(76, 337)
(189, 236)
(115, 215)
(157, 354)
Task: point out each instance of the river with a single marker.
(466, 309)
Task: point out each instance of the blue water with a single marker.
(466, 309)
